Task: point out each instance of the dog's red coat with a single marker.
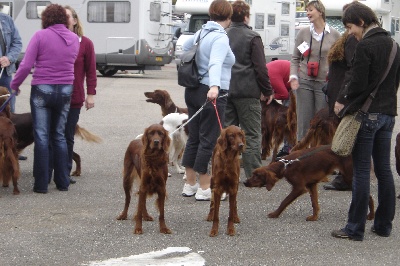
(147, 157)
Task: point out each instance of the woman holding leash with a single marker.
(214, 60)
(374, 137)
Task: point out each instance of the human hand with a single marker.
(294, 83)
(4, 61)
(212, 93)
(338, 107)
(89, 102)
(15, 92)
(270, 98)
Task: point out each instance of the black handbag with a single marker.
(188, 74)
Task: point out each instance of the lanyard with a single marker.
(320, 47)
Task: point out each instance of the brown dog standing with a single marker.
(225, 176)
(149, 158)
(304, 169)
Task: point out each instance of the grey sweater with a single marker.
(299, 63)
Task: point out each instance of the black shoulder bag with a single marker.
(188, 74)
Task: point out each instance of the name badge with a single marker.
(304, 48)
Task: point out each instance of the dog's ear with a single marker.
(270, 179)
(166, 141)
(167, 99)
(145, 140)
(222, 140)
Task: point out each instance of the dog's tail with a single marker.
(307, 140)
(87, 135)
(9, 159)
(292, 119)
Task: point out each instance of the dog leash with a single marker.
(288, 162)
(195, 114)
(214, 102)
(7, 101)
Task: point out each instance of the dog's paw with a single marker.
(138, 231)
(214, 232)
(76, 173)
(209, 218)
(231, 231)
(165, 230)
(122, 216)
(147, 218)
(273, 215)
(181, 171)
(370, 216)
(312, 218)
(236, 220)
(169, 175)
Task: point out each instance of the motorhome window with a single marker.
(109, 12)
(7, 8)
(196, 22)
(397, 25)
(271, 19)
(35, 8)
(285, 30)
(285, 8)
(155, 12)
(259, 24)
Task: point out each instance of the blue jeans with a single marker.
(373, 140)
(5, 81)
(49, 107)
(72, 120)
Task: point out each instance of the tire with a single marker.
(108, 72)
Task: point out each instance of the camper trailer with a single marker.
(127, 35)
(273, 20)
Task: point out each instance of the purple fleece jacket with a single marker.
(52, 51)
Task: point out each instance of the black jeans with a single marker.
(204, 128)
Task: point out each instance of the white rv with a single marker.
(273, 20)
(127, 34)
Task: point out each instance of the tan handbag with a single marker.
(346, 133)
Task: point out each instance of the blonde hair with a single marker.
(78, 29)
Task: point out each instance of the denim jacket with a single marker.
(12, 39)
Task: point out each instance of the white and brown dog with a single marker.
(171, 123)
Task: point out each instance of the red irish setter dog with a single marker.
(277, 122)
(321, 131)
(225, 176)
(304, 169)
(9, 166)
(162, 98)
(148, 158)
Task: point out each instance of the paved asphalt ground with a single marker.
(79, 227)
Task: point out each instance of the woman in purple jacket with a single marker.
(85, 67)
(53, 51)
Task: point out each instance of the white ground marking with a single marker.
(172, 256)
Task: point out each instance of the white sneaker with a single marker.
(189, 191)
(223, 196)
(203, 195)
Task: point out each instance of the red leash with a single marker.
(214, 102)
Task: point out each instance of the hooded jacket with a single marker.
(52, 51)
(369, 63)
(214, 57)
